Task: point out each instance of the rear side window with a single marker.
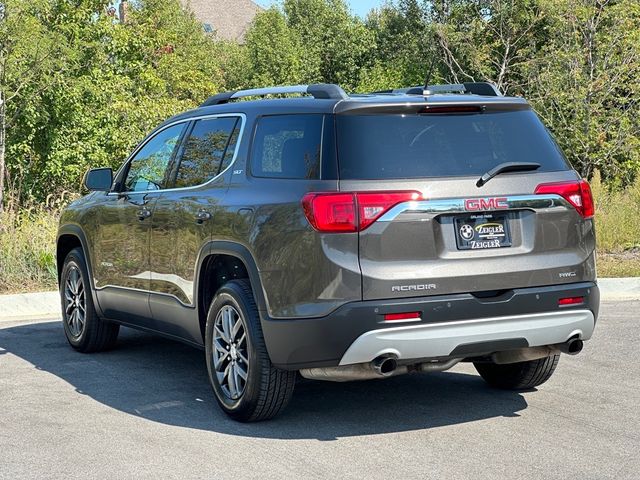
(287, 146)
(440, 145)
(208, 149)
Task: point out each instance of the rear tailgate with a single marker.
(458, 237)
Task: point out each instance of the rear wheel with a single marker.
(518, 376)
(247, 386)
(84, 329)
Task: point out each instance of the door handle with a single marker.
(144, 213)
(202, 216)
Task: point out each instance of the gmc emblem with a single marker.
(476, 204)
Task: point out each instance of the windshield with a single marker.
(441, 145)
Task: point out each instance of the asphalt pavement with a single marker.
(145, 410)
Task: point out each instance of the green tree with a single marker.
(488, 40)
(586, 84)
(404, 47)
(336, 44)
(273, 50)
(120, 80)
(29, 67)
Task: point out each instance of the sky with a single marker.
(359, 7)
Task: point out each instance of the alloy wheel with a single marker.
(75, 302)
(230, 352)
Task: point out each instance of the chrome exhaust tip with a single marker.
(385, 366)
(571, 347)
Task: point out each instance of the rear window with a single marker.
(440, 145)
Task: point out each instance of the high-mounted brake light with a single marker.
(350, 211)
(437, 109)
(577, 193)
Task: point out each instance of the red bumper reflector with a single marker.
(571, 301)
(393, 317)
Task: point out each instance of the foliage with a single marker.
(27, 250)
(115, 82)
(82, 89)
(79, 89)
(617, 224)
(404, 48)
(585, 83)
(273, 50)
(29, 51)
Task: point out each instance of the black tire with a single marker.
(95, 334)
(266, 390)
(518, 376)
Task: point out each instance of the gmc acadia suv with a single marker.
(341, 237)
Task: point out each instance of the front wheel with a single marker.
(84, 329)
(518, 376)
(246, 385)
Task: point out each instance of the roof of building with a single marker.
(229, 19)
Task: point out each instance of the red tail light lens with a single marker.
(350, 212)
(372, 205)
(330, 212)
(576, 193)
(571, 301)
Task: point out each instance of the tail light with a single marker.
(350, 212)
(577, 193)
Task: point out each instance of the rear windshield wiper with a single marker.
(507, 167)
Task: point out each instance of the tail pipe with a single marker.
(385, 366)
(571, 347)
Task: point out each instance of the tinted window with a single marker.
(148, 168)
(231, 147)
(209, 142)
(204, 150)
(287, 146)
(416, 146)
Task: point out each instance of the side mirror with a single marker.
(99, 179)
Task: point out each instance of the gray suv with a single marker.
(339, 237)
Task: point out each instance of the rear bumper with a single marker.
(450, 325)
(471, 337)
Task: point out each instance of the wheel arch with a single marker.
(70, 237)
(238, 262)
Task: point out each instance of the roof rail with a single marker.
(487, 89)
(475, 88)
(316, 90)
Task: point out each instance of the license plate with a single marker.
(482, 231)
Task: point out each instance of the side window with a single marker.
(208, 150)
(287, 146)
(231, 147)
(147, 169)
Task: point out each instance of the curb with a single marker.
(29, 306)
(619, 288)
(46, 305)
